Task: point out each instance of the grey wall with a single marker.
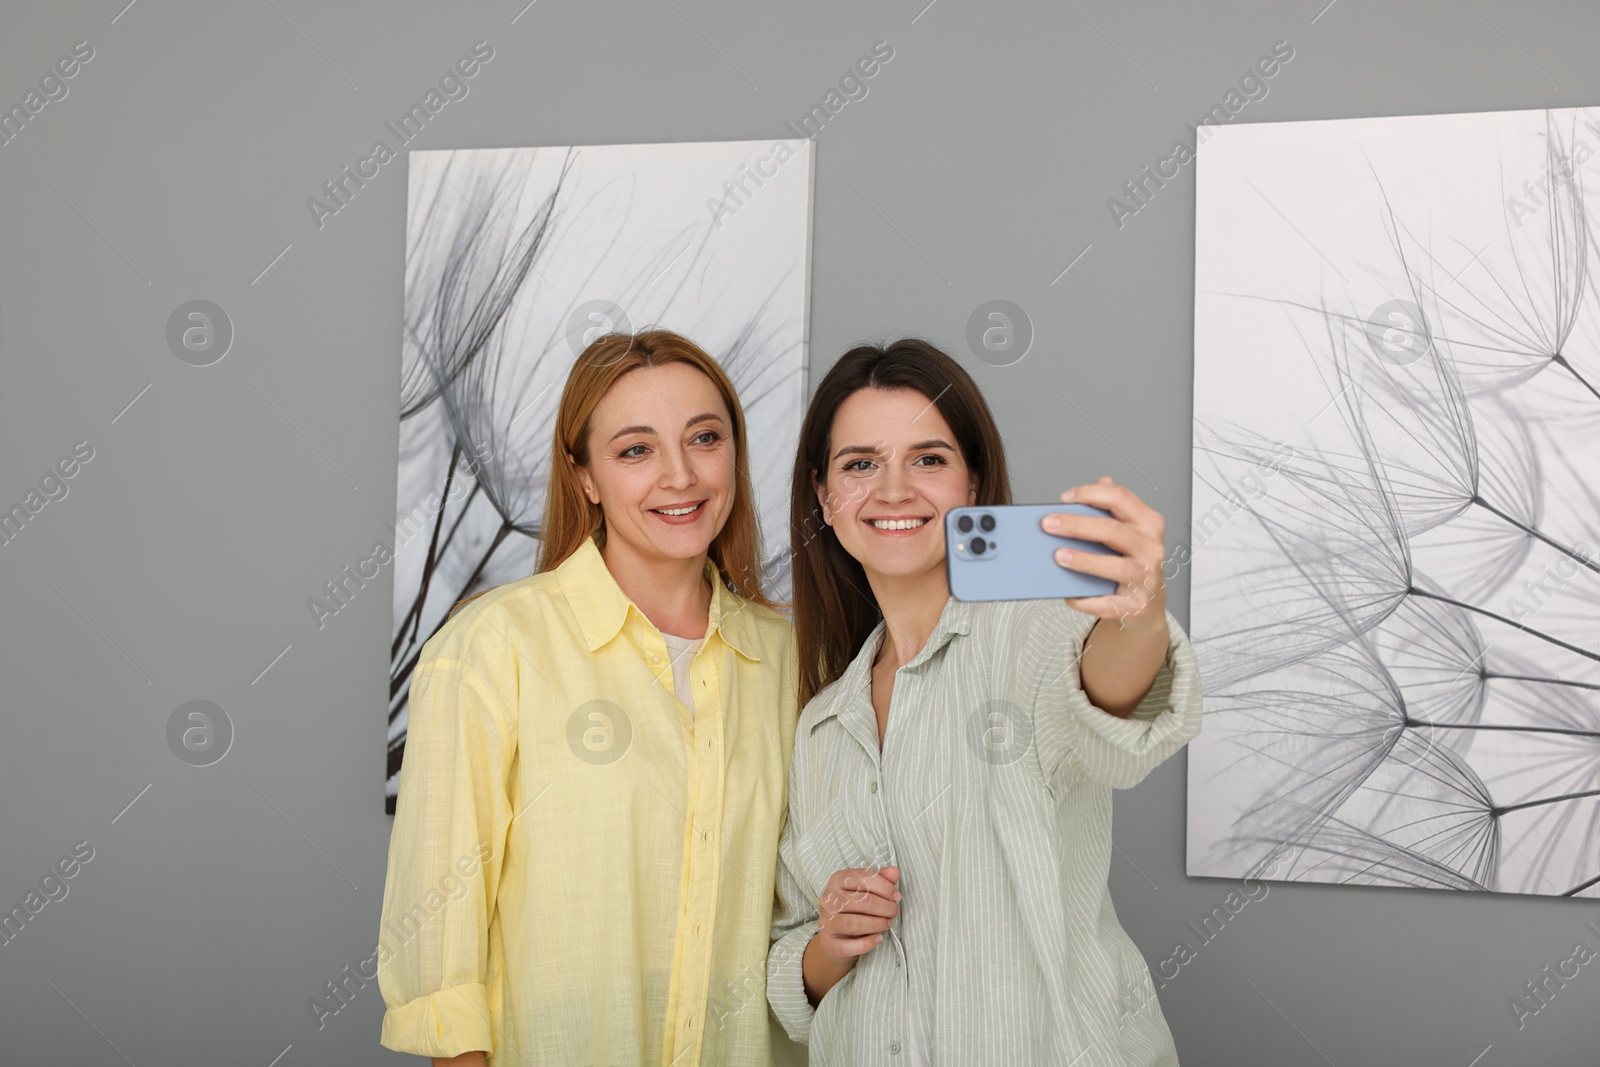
(178, 566)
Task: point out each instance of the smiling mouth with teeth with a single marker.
(678, 511)
(895, 524)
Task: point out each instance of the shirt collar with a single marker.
(601, 606)
(856, 681)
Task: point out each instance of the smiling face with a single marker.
(661, 462)
(894, 469)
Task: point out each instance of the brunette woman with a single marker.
(942, 875)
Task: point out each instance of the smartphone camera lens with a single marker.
(964, 523)
(977, 546)
(986, 523)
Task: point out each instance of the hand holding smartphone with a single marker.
(1003, 552)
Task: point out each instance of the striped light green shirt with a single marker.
(992, 795)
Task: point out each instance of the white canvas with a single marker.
(515, 258)
(1396, 537)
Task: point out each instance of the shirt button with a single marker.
(873, 788)
(894, 1048)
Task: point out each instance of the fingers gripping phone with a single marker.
(1004, 553)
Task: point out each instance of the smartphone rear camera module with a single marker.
(986, 523)
(977, 545)
(964, 523)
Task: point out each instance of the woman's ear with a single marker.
(584, 480)
(822, 497)
(972, 488)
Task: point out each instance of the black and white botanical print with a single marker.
(1396, 542)
(515, 259)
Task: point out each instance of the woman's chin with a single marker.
(899, 567)
(682, 542)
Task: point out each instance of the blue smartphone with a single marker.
(1003, 553)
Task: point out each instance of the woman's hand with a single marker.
(855, 909)
(1138, 532)
(1118, 666)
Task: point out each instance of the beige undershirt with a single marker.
(681, 651)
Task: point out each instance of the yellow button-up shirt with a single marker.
(580, 871)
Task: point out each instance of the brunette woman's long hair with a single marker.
(570, 517)
(833, 605)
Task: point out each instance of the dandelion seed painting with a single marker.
(515, 260)
(1396, 544)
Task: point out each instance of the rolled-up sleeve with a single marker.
(1075, 737)
(446, 848)
(794, 923)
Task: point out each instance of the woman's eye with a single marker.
(936, 460)
(854, 465)
(710, 437)
(629, 453)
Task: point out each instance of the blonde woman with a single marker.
(581, 864)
